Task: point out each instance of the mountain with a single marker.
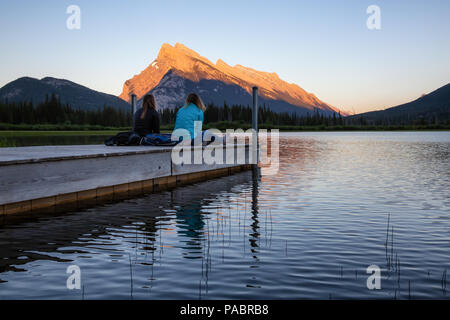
(431, 108)
(77, 96)
(179, 70)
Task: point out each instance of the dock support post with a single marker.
(255, 144)
(133, 104)
(133, 109)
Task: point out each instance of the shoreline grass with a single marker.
(57, 127)
(64, 129)
(34, 133)
(284, 128)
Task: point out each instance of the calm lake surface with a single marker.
(341, 202)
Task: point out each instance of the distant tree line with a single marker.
(404, 119)
(52, 111)
(243, 114)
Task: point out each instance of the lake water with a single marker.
(340, 203)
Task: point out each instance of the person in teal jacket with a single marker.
(189, 114)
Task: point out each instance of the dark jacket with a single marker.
(150, 123)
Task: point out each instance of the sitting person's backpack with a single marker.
(158, 139)
(128, 138)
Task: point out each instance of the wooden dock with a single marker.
(38, 178)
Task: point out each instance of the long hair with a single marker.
(148, 102)
(195, 99)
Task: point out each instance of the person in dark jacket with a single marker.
(146, 119)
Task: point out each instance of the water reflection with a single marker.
(191, 224)
(140, 224)
(254, 235)
(340, 203)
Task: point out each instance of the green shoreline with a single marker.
(64, 129)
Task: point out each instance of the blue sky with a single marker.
(323, 46)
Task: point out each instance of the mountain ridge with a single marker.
(76, 95)
(432, 106)
(186, 63)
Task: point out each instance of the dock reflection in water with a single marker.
(142, 228)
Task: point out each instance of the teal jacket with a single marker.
(186, 117)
